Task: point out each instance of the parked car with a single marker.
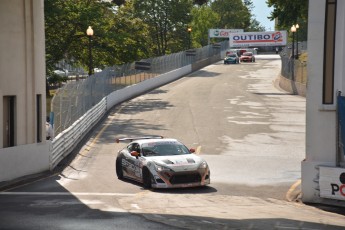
(159, 162)
(231, 59)
(247, 57)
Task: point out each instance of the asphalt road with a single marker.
(251, 134)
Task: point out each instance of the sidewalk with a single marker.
(211, 211)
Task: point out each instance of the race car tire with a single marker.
(147, 178)
(119, 171)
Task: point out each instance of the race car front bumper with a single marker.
(171, 179)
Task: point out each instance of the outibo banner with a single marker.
(250, 39)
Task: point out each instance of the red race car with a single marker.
(247, 57)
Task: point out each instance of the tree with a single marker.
(255, 25)
(167, 23)
(200, 2)
(288, 12)
(233, 14)
(204, 18)
(66, 22)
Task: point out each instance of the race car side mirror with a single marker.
(192, 150)
(135, 154)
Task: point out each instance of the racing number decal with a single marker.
(132, 167)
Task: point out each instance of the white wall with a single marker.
(134, 90)
(24, 160)
(321, 119)
(22, 65)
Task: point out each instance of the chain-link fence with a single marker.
(294, 69)
(78, 96)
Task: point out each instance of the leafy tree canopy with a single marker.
(288, 12)
(129, 30)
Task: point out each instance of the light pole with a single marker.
(297, 27)
(293, 30)
(189, 37)
(89, 33)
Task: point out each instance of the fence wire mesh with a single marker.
(76, 97)
(294, 69)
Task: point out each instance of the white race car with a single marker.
(161, 163)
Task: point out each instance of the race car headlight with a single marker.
(161, 168)
(203, 165)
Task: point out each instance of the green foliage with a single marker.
(204, 18)
(289, 12)
(200, 2)
(167, 23)
(255, 26)
(125, 31)
(66, 22)
(233, 14)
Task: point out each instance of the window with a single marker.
(134, 147)
(329, 47)
(9, 121)
(39, 117)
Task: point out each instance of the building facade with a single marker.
(22, 88)
(323, 172)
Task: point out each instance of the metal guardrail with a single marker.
(67, 140)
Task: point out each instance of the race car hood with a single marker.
(177, 160)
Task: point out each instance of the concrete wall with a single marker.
(22, 65)
(321, 118)
(24, 160)
(22, 75)
(134, 90)
(292, 86)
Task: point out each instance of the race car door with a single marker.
(131, 163)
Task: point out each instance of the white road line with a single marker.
(136, 206)
(66, 194)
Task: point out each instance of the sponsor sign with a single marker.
(332, 183)
(246, 39)
(223, 33)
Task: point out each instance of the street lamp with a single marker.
(293, 30)
(89, 33)
(297, 27)
(189, 37)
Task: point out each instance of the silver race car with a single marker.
(161, 163)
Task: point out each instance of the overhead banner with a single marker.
(222, 33)
(250, 39)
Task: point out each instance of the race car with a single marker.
(159, 162)
(247, 57)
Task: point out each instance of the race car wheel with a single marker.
(147, 178)
(119, 171)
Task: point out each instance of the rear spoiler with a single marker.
(130, 139)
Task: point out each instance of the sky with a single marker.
(261, 12)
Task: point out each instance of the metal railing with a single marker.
(294, 69)
(76, 97)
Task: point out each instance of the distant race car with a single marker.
(231, 58)
(247, 57)
(161, 163)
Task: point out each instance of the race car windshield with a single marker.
(164, 149)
